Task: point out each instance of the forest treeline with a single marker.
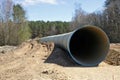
(108, 19)
(15, 28)
(42, 28)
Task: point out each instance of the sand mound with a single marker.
(43, 61)
(113, 57)
(27, 62)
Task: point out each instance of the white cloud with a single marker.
(35, 2)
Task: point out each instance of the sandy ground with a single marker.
(34, 61)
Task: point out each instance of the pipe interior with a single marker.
(89, 45)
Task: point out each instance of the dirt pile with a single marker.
(43, 61)
(27, 62)
(113, 57)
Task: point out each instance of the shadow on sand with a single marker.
(62, 58)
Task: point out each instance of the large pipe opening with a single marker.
(88, 46)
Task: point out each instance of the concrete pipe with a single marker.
(87, 46)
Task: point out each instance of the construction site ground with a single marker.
(33, 60)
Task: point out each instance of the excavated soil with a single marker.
(113, 57)
(43, 61)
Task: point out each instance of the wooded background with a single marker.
(15, 28)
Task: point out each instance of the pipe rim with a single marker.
(79, 62)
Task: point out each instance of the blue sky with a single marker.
(57, 10)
